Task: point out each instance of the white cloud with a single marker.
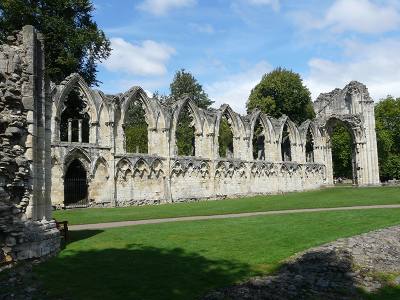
(161, 7)
(148, 58)
(363, 16)
(203, 28)
(377, 65)
(273, 3)
(235, 89)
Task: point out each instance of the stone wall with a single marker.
(115, 177)
(26, 228)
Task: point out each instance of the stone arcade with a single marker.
(64, 145)
(113, 177)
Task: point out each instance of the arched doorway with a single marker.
(343, 152)
(75, 185)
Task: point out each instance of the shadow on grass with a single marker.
(135, 272)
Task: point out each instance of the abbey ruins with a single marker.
(51, 150)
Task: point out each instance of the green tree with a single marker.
(73, 42)
(184, 83)
(387, 116)
(225, 138)
(136, 133)
(282, 92)
(342, 147)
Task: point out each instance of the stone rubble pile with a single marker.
(338, 270)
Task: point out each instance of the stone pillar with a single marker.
(26, 221)
(80, 130)
(69, 130)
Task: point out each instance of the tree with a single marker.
(282, 92)
(184, 83)
(387, 116)
(73, 42)
(342, 149)
(136, 134)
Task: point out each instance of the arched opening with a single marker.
(343, 153)
(136, 128)
(309, 146)
(75, 185)
(225, 137)
(286, 150)
(74, 123)
(258, 141)
(185, 133)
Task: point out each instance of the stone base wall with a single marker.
(139, 181)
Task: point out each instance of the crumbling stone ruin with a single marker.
(26, 228)
(92, 144)
(65, 146)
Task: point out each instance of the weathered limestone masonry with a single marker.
(26, 228)
(355, 108)
(114, 177)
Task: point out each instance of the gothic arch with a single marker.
(100, 160)
(78, 154)
(137, 93)
(237, 123)
(195, 113)
(268, 131)
(60, 95)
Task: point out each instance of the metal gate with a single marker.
(75, 192)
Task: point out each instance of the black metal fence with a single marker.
(75, 192)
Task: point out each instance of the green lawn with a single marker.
(184, 260)
(333, 197)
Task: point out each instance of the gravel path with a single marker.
(224, 216)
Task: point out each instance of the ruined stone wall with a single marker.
(115, 177)
(26, 228)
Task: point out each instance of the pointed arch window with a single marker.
(225, 137)
(136, 128)
(185, 133)
(75, 119)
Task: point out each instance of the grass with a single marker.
(332, 197)
(184, 260)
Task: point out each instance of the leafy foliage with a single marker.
(282, 92)
(136, 129)
(184, 83)
(225, 138)
(185, 134)
(341, 141)
(73, 42)
(387, 116)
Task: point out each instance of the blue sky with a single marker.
(229, 44)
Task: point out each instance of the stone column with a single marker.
(69, 130)
(80, 130)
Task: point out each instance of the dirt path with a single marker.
(225, 216)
